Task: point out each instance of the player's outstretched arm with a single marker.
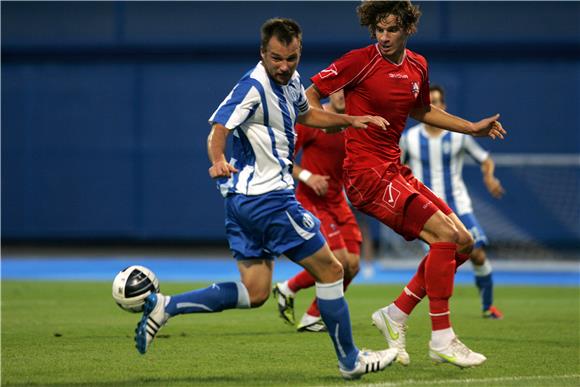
(333, 122)
(439, 118)
(489, 126)
(322, 119)
(216, 147)
(314, 96)
(491, 182)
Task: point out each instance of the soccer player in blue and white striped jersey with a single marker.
(436, 157)
(263, 218)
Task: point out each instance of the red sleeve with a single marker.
(341, 72)
(304, 136)
(424, 98)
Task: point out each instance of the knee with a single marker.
(335, 271)
(353, 267)
(348, 261)
(259, 294)
(449, 233)
(465, 242)
(325, 267)
(478, 256)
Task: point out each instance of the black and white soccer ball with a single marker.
(132, 286)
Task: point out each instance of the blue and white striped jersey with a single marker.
(438, 163)
(262, 115)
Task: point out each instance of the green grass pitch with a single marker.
(72, 333)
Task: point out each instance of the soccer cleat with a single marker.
(310, 323)
(285, 305)
(457, 354)
(154, 317)
(369, 361)
(394, 333)
(493, 313)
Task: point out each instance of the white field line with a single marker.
(533, 159)
(412, 382)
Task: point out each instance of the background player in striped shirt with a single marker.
(436, 157)
(263, 217)
(390, 80)
(320, 190)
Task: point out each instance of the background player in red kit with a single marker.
(320, 191)
(389, 80)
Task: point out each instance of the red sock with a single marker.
(414, 292)
(439, 275)
(313, 309)
(301, 281)
(439, 313)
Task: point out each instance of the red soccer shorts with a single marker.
(338, 223)
(391, 194)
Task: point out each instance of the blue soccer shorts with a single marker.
(269, 225)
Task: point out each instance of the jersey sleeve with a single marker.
(238, 106)
(340, 73)
(475, 150)
(303, 105)
(424, 97)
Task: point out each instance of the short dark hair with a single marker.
(370, 13)
(284, 29)
(440, 89)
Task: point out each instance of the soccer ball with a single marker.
(132, 286)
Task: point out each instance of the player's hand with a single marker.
(318, 183)
(494, 187)
(221, 169)
(489, 126)
(361, 122)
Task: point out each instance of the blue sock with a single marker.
(335, 314)
(215, 298)
(485, 286)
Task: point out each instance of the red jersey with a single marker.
(376, 86)
(322, 154)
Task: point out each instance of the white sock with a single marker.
(482, 270)
(396, 314)
(243, 296)
(440, 339)
(285, 289)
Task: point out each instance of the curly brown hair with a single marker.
(371, 12)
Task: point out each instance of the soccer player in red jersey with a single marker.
(320, 190)
(389, 80)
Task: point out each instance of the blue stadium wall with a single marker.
(105, 104)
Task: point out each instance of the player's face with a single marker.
(281, 60)
(391, 38)
(337, 101)
(437, 99)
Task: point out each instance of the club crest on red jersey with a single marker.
(415, 89)
(330, 71)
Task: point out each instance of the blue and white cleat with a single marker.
(369, 361)
(310, 323)
(154, 317)
(285, 304)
